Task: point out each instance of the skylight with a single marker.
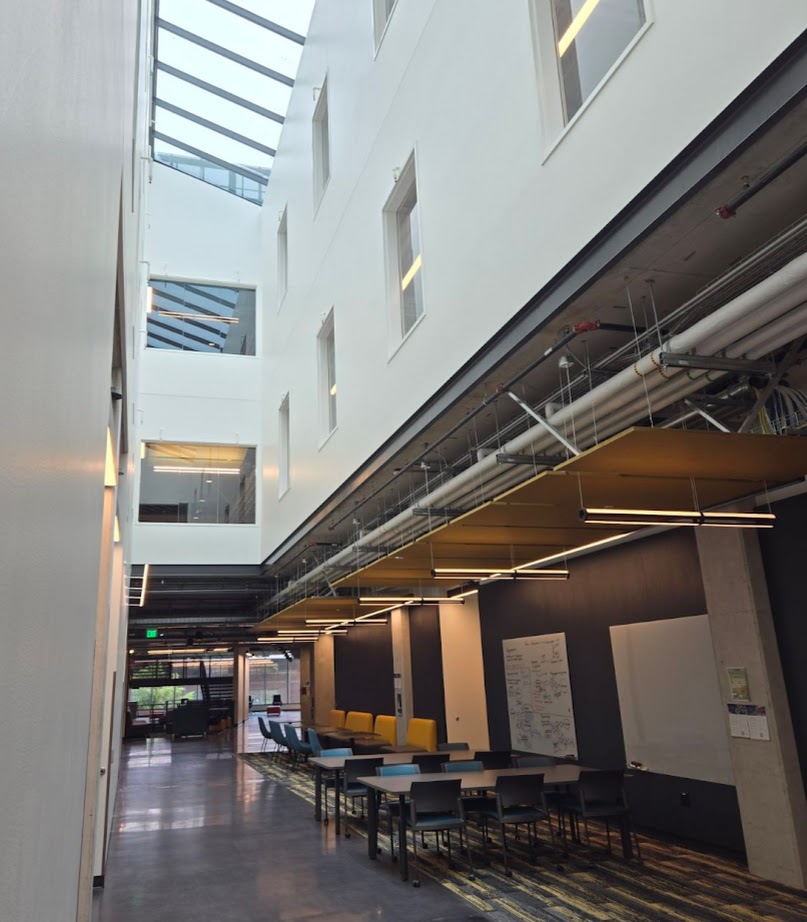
(223, 74)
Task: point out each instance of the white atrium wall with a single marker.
(504, 201)
(68, 75)
(198, 233)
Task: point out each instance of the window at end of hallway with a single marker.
(590, 36)
(284, 448)
(382, 10)
(405, 255)
(326, 343)
(282, 257)
(322, 144)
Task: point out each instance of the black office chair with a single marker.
(436, 806)
(519, 801)
(494, 759)
(601, 795)
(431, 761)
(357, 768)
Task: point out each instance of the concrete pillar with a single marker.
(323, 679)
(240, 684)
(402, 669)
(306, 672)
(464, 674)
(770, 789)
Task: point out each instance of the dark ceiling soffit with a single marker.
(218, 91)
(199, 571)
(259, 21)
(770, 96)
(224, 52)
(241, 170)
(214, 126)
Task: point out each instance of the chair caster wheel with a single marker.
(378, 851)
(472, 877)
(508, 873)
(415, 883)
(326, 821)
(347, 835)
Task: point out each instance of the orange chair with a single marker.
(386, 726)
(422, 733)
(336, 718)
(360, 721)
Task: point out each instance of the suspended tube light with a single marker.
(608, 515)
(406, 600)
(486, 574)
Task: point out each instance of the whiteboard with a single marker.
(669, 698)
(539, 695)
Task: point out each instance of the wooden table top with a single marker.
(472, 781)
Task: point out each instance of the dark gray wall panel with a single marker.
(363, 670)
(427, 666)
(645, 581)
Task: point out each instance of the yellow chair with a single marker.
(386, 726)
(336, 718)
(422, 733)
(360, 721)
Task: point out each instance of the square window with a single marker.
(282, 258)
(405, 256)
(326, 342)
(197, 483)
(322, 144)
(284, 447)
(590, 36)
(197, 317)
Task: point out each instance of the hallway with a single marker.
(198, 834)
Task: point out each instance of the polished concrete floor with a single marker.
(198, 834)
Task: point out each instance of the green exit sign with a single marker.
(151, 633)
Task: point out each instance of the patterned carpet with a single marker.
(673, 884)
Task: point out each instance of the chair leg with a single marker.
(608, 833)
(416, 879)
(507, 871)
(471, 872)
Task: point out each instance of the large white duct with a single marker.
(767, 316)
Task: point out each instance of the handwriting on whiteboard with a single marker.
(539, 695)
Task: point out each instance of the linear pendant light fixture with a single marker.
(486, 574)
(395, 600)
(607, 515)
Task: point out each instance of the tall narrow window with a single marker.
(405, 255)
(590, 35)
(382, 10)
(284, 447)
(327, 377)
(282, 257)
(322, 144)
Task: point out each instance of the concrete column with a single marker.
(306, 672)
(464, 674)
(240, 685)
(323, 679)
(402, 669)
(767, 774)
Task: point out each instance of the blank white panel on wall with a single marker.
(669, 698)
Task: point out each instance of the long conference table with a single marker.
(555, 776)
(335, 765)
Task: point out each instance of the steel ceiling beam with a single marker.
(259, 21)
(214, 126)
(203, 155)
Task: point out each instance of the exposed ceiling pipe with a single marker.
(729, 210)
(616, 402)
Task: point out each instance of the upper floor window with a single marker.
(404, 248)
(284, 447)
(282, 257)
(327, 376)
(322, 144)
(590, 35)
(382, 10)
(208, 484)
(197, 317)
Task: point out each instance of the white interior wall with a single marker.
(196, 232)
(498, 220)
(67, 78)
(464, 674)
